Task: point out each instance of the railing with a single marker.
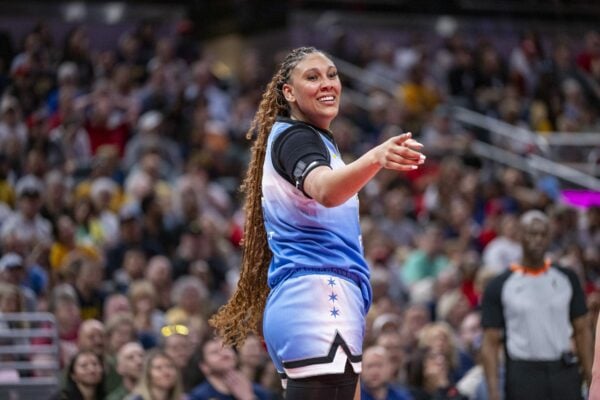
(540, 161)
(534, 163)
(29, 356)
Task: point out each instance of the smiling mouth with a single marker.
(326, 99)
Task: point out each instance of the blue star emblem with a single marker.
(333, 297)
(331, 282)
(335, 312)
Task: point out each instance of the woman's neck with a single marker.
(159, 394)
(129, 383)
(299, 117)
(88, 392)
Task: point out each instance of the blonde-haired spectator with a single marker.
(160, 379)
(452, 307)
(441, 339)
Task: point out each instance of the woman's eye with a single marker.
(333, 74)
(312, 77)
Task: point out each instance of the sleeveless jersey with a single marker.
(304, 236)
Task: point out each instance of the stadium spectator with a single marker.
(428, 372)
(159, 380)
(84, 378)
(130, 360)
(223, 379)
(377, 378)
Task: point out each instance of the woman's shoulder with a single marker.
(284, 124)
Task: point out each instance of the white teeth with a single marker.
(326, 98)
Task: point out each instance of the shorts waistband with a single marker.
(344, 273)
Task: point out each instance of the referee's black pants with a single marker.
(542, 380)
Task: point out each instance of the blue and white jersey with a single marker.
(306, 237)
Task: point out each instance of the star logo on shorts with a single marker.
(333, 297)
(334, 312)
(331, 282)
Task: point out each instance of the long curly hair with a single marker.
(242, 315)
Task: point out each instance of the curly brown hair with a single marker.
(242, 314)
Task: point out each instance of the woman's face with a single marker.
(163, 373)
(314, 90)
(87, 370)
(436, 365)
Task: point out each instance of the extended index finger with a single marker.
(402, 138)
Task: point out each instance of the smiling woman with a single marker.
(302, 240)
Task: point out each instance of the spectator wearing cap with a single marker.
(151, 133)
(12, 271)
(26, 222)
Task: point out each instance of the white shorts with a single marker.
(313, 324)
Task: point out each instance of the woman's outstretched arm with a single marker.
(333, 187)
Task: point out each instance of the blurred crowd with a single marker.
(120, 210)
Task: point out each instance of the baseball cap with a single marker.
(150, 120)
(10, 261)
(29, 185)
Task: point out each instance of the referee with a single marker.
(534, 310)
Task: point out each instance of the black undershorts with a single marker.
(323, 387)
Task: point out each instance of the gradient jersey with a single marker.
(306, 237)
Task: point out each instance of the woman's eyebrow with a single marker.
(315, 69)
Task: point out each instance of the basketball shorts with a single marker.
(313, 324)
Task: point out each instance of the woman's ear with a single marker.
(288, 93)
